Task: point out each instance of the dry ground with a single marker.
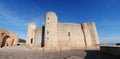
(22, 52)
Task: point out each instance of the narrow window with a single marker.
(48, 18)
(31, 40)
(68, 33)
(47, 32)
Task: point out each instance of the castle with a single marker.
(61, 36)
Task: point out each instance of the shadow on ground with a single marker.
(97, 54)
(22, 53)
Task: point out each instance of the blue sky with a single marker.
(16, 14)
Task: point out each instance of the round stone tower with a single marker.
(51, 30)
(31, 34)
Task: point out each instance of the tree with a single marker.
(21, 40)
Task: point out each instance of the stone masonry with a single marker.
(55, 36)
(8, 38)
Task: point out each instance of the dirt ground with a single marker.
(24, 53)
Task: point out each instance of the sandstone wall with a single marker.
(51, 30)
(87, 35)
(62, 36)
(14, 39)
(38, 38)
(31, 34)
(93, 33)
(3, 33)
(8, 38)
(70, 36)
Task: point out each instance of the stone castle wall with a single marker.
(70, 36)
(31, 34)
(87, 35)
(51, 30)
(8, 38)
(62, 36)
(38, 37)
(93, 33)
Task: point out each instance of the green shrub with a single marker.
(21, 40)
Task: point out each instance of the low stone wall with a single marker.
(111, 49)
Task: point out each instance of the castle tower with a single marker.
(30, 34)
(93, 33)
(87, 35)
(51, 30)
